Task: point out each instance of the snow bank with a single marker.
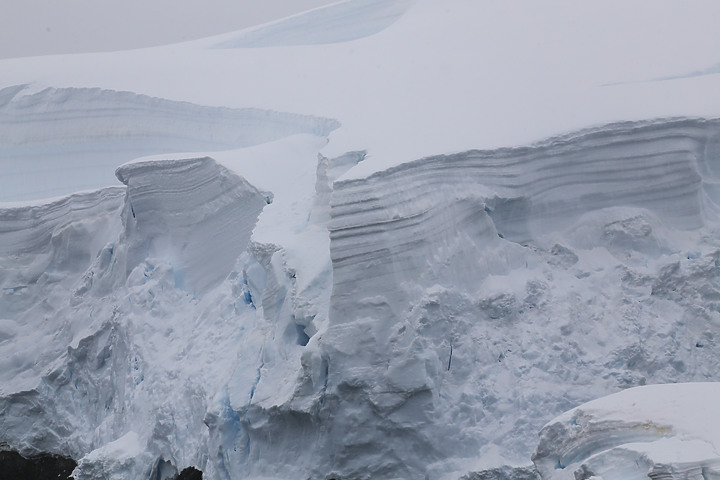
(442, 78)
(61, 140)
(656, 431)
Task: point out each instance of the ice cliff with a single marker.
(72, 139)
(471, 294)
(396, 263)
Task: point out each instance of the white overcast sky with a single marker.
(41, 27)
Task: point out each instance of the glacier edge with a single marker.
(438, 293)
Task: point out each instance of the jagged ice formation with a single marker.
(456, 324)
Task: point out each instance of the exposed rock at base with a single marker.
(190, 473)
(43, 466)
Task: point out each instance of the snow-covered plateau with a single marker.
(387, 239)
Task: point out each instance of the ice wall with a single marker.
(520, 194)
(107, 295)
(72, 139)
(425, 321)
(474, 292)
(44, 249)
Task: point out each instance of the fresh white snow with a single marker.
(444, 77)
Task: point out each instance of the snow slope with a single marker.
(445, 77)
(339, 22)
(482, 289)
(393, 247)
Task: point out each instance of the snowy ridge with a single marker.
(83, 134)
(657, 431)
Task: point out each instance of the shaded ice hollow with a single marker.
(277, 303)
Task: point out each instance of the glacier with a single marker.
(395, 264)
(458, 344)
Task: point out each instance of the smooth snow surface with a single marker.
(377, 240)
(48, 27)
(444, 77)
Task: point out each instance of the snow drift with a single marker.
(339, 22)
(465, 283)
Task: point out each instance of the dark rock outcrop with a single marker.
(46, 466)
(190, 473)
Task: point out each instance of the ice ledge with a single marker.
(667, 167)
(73, 138)
(659, 431)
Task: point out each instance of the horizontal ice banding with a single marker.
(29, 228)
(459, 289)
(657, 431)
(389, 222)
(193, 213)
(51, 243)
(62, 140)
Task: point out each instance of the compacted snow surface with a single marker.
(376, 240)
